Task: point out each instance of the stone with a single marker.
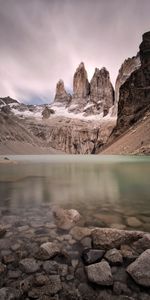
(119, 274)
(109, 219)
(91, 256)
(8, 259)
(3, 268)
(2, 231)
(78, 233)
(101, 90)
(121, 288)
(26, 284)
(108, 238)
(41, 279)
(133, 222)
(140, 269)
(29, 265)
(50, 249)
(100, 273)
(65, 219)
(54, 285)
(14, 274)
(114, 257)
(128, 253)
(87, 292)
(54, 268)
(7, 293)
(142, 244)
(86, 242)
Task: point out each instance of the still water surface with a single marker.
(106, 190)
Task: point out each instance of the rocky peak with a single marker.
(61, 95)
(101, 89)
(145, 48)
(81, 85)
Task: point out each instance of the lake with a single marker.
(108, 191)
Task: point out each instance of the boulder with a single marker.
(140, 269)
(65, 218)
(50, 249)
(91, 256)
(114, 257)
(100, 273)
(108, 238)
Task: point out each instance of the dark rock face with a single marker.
(127, 68)
(134, 98)
(61, 95)
(101, 90)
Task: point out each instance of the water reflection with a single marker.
(75, 185)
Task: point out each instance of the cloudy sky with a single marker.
(42, 41)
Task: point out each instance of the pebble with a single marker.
(29, 265)
(133, 222)
(92, 255)
(50, 249)
(114, 257)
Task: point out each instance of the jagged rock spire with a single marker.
(61, 95)
(81, 85)
(101, 89)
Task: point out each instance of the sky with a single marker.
(42, 41)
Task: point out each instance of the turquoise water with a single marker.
(106, 190)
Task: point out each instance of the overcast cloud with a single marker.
(42, 41)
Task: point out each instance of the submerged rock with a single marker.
(29, 265)
(100, 273)
(2, 231)
(140, 269)
(91, 256)
(114, 257)
(78, 233)
(105, 238)
(66, 219)
(50, 249)
(7, 293)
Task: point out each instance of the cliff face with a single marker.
(73, 135)
(134, 99)
(101, 91)
(127, 68)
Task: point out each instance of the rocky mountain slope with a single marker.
(92, 117)
(79, 123)
(134, 108)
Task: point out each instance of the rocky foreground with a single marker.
(62, 259)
